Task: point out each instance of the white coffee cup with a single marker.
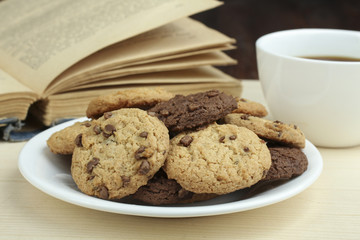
(321, 97)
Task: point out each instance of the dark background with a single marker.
(247, 20)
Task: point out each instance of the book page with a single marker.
(200, 75)
(8, 85)
(184, 35)
(216, 58)
(61, 84)
(222, 48)
(43, 38)
(15, 98)
(205, 74)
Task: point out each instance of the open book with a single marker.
(55, 56)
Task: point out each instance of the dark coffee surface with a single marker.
(332, 58)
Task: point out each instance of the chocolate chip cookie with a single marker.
(63, 141)
(218, 159)
(278, 131)
(250, 107)
(195, 110)
(119, 153)
(143, 98)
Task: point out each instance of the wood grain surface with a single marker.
(328, 209)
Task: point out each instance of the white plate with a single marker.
(51, 174)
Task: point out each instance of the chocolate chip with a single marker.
(110, 129)
(103, 192)
(78, 140)
(186, 140)
(87, 124)
(279, 134)
(141, 149)
(97, 129)
(277, 121)
(243, 100)
(108, 115)
(144, 134)
(246, 149)
(222, 139)
(107, 134)
(125, 180)
(295, 127)
(138, 152)
(244, 117)
(91, 164)
(144, 167)
(143, 153)
(232, 137)
(90, 178)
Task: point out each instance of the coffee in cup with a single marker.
(311, 78)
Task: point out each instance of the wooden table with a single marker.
(329, 209)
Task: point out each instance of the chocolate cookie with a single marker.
(250, 107)
(119, 154)
(286, 163)
(63, 141)
(160, 191)
(143, 98)
(218, 159)
(194, 110)
(288, 134)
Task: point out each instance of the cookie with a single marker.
(195, 110)
(119, 154)
(288, 134)
(63, 141)
(143, 98)
(286, 163)
(250, 107)
(160, 191)
(218, 159)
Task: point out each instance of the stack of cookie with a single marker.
(150, 146)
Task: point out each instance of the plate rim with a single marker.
(168, 211)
